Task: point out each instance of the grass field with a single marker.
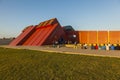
(35, 65)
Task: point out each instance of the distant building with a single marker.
(49, 31)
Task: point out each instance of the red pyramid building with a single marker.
(43, 34)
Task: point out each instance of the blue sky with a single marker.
(15, 15)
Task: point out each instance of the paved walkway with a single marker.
(104, 53)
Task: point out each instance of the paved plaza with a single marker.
(66, 50)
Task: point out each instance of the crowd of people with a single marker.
(101, 47)
(108, 46)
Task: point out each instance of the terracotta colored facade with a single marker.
(99, 37)
(92, 37)
(49, 31)
(45, 33)
(114, 37)
(103, 37)
(83, 38)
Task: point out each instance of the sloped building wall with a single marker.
(23, 36)
(41, 34)
(55, 35)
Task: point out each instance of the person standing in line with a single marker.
(96, 47)
(92, 47)
(112, 47)
(84, 46)
(107, 47)
(103, 47)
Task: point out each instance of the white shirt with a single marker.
(107, 47)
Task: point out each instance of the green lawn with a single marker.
(35, 65)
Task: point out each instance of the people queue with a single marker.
(101, 47)
(92, 46)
